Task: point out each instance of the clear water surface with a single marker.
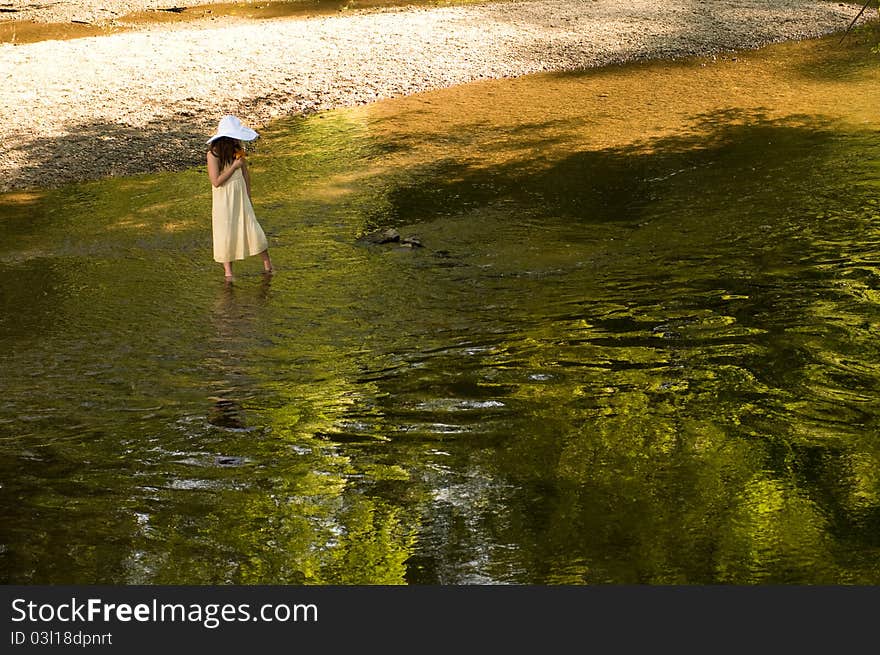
(638, 345)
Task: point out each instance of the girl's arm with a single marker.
(247, 176)
(217, 178)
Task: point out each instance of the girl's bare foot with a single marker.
(267, 263)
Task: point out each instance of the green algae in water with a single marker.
(639, 345)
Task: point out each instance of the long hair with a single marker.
(225, 148)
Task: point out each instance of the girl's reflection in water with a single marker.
(235, 315)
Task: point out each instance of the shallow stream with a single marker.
(639, 343)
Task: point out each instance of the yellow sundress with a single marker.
(237, 234)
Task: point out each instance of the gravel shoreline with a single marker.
(146, 100)
(86, 11)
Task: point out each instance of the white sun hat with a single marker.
(232, 127)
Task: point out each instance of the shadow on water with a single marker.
(672, 205)
(636, 347)
(832, 60)
(742, 152)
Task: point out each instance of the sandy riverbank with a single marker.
(146, 99)
(89, 11)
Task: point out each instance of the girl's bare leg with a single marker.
(267, 263)
(227, 270)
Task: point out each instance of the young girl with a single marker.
(237, 234)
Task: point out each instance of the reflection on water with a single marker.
(639, 344)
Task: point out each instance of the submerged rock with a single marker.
(228, 460)
(381, 236)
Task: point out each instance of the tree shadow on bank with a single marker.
(103, 149)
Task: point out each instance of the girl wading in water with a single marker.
(237, 234)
